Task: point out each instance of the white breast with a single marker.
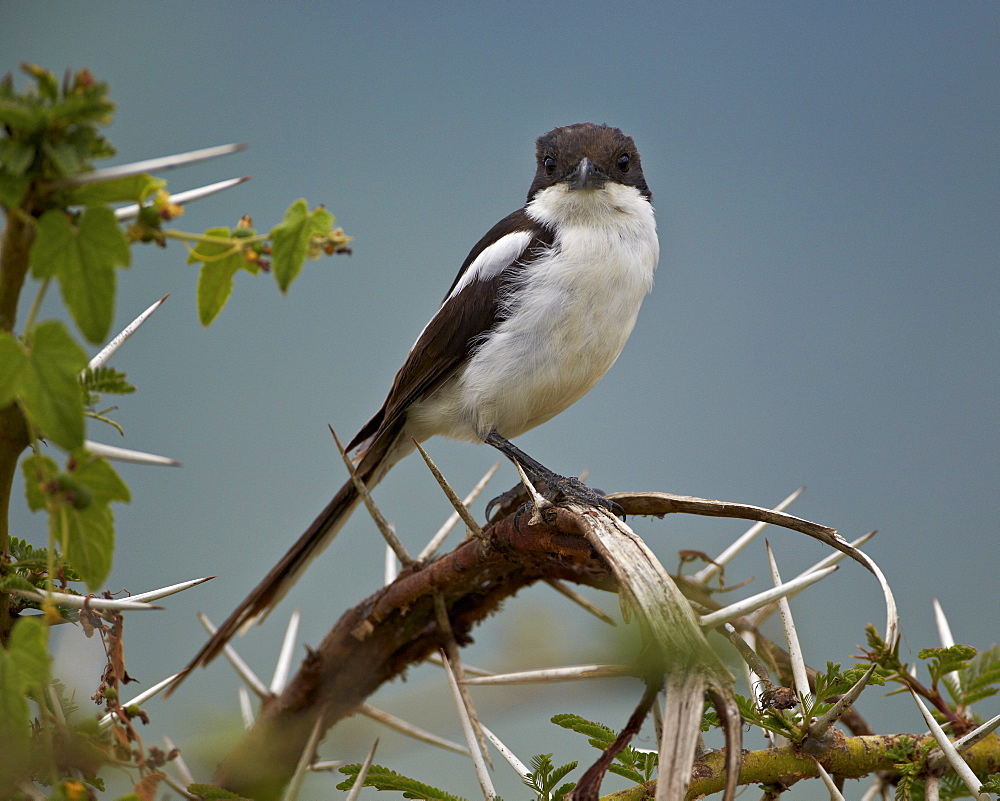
(569, 318)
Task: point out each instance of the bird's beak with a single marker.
(586, 176)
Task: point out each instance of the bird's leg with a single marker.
(549, 484)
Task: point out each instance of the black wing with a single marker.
(458, 325)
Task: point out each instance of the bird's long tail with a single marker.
(384, 452)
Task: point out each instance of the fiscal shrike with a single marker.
(540, 310)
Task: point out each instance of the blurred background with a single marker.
(827, 189)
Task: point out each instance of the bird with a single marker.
(539, 311)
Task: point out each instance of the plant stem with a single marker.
(15, 245)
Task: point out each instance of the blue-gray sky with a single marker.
(827, 189)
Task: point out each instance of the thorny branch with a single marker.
(397, 626)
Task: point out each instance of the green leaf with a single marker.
(385, 779)
(215, 285)
(48, 385)
(13, 188)
(106, 380)
(98, 476)
(63, 156)
(88, 541)
(83, 258)
(629, 773)
(16, 157)
(125, 188)
(601, 736)
(38, 470)
(210, 791)
(13, 362)
(84, 261)
(14, 722)
(80, 516)
(20, 114)
(221, 261)
(29, 653)
(291, 237)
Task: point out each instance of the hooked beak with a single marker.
(586, 176)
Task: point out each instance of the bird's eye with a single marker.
(623, 162)
(550, 165)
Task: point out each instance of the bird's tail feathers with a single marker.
(380, 456)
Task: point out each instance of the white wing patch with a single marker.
(492, 260)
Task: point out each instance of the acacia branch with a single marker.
(848, 758)
(397, 627)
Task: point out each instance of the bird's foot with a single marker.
(551, 486)
(559, 488)
(554, 488)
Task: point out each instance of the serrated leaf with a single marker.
(37, 470)
(29, 653)
(83, 259)
(135, 188)
(98, 476)
(220, 262)
(48, 385)
(291, 237)
(215, 285)
(88, 541)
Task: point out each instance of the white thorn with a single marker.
(183, 198)
(81, 601)
(704, 575)
(154, 595)
(478, 760)
(108, 350)
(798, 663)
(295, 783)
(835, 794)
(140, 699)
(359, 780)
(757, 619)
(435, 542)
(117, 454)
(391, 565)
(435, 659)
(153, 165)
(246, 708)
(953, 679)
(285, 656)
(242, 668)
(959, 765)
(178, 761)
(506, 753)
(569, 673)
(740, 608)
(407, 728)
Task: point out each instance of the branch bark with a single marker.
(396, 627)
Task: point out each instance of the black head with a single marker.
(587, 156)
